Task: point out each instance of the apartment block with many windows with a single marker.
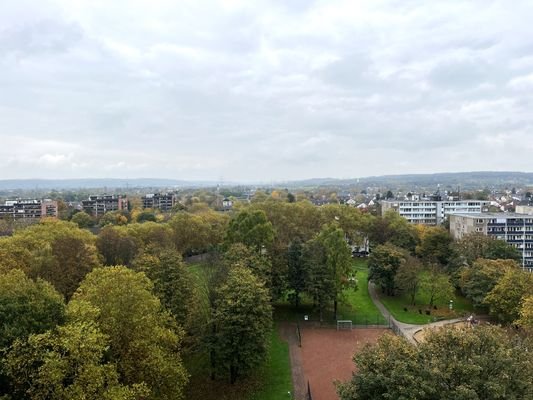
(515, 229)
(430, 212)
(161, 201)
(29, 209)
(98, 205)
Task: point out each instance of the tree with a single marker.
(321, 282)
(243, 317)
(145, 216)
(197, 233)
(144, 341)
(57, 251)
(82, 219)
(526, 313)
(479, 279)
(466, 364)
(27, 307)
(408, 278)
(173, 284)
(66, 363)
(297, 271)
(437, 284)
(252, 228)
(116, 246)
(338, 259)
(394, 229)
(474, 246)
(505, 299)
(434, 245)
(383, 264)
(239, 255)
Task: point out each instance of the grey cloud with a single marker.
(263, 90)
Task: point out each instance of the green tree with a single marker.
(56, 251)
(66, 363)
(437, 284)
(479, 279)
(146, 216)
(476, 245)
(526, 313)
(252, 228)
(505, 299)
(394, 229)
(465, 364)
(116, 246)
(82, 219)
(338, 259)
(297, 272)
(144, 341)
(383, 264)
(239, 255)
(27, 307)
(434, 245)
(408, 278)
(173, 284)
(243, 317)
(321, 281)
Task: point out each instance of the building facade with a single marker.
(429, 212)
(515, 229)
(98, 205)
(29, 209)
(161, 201)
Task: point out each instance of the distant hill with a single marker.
(466, 180)
(29, 184)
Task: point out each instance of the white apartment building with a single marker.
(430, 212)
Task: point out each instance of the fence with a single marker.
(369, 321)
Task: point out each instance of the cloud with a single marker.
(263, 90)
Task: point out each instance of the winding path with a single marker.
(407, 330)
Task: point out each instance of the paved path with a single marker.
(407, 330)
(288, 333)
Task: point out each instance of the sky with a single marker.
(264, 90)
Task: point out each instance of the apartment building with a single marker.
(515, 229)
(98, 205)
(29, 209)
(432, 212)
(161, 201)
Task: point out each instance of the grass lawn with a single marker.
(356, 304)
(397, 305)
(272, 381)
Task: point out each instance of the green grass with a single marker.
(397, 305)
(276, 374)
(272, 381)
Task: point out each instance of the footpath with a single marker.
(406, 330)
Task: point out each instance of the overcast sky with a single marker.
(273, 90)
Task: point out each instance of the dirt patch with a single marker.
(326, 355)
